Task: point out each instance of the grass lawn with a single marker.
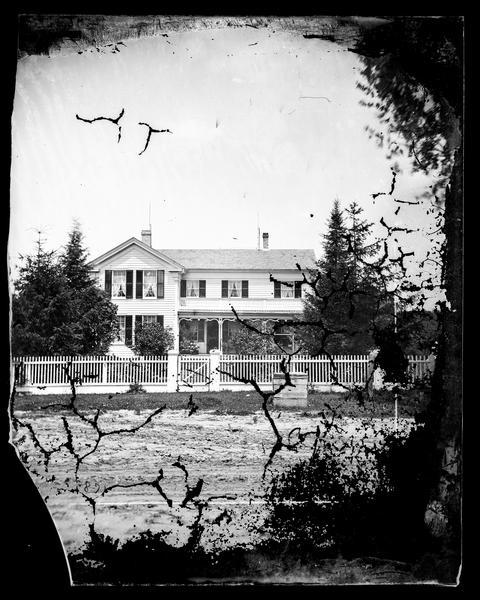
(235, 403)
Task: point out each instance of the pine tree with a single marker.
(358, 231)
(74, 260)
(40, 304)
(57, 308)
(347, 291)
(334, 262)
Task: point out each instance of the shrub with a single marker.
(153, 340)
(188, 347)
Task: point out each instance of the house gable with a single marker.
(134, 254)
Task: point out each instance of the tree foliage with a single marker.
(152, 339)
(343, 307)
(56, 306)
(246, 341)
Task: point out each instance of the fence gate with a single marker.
(194, 370)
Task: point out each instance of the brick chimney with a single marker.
(265, 241)
(147, 237)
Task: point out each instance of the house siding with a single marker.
(135, 258)
(260, 302)
(260, 293)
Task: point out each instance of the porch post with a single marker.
(172, 371)
(220, 335)
(214, 374)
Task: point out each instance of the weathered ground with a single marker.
(224, 443)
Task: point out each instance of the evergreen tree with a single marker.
(358, 231)
(334, 262)
(74, 260)
(40, 304)
(346, 293)
(57, 308)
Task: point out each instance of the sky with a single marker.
(267, 128)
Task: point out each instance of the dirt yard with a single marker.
(228, 451)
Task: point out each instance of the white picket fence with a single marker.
(345, 369)
(48, 374)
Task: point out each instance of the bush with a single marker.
(153, 340)
(188, 347)
(318, 507)
(136, 388)
(245, 341)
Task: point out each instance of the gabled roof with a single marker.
(131, 242)
(243, 259)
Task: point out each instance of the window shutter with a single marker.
(183, 288)
(138, 322)
(224, 288)
(160, 284)
(276, 290)
(139, 285)
(108, 283)
(201, 331)
(298, 289)
(160, 320)
(244, 289)
(202, 288)
(128, 330)
(129, 285)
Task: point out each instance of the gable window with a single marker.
(119, 284)
(287, 289)
(150, 284)
(234, 288)
(192, 288)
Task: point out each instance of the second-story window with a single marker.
(287, 289)
(150, 283)
(119, 284)
(193, 288)
(233, 288)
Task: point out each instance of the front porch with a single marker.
(221, 332)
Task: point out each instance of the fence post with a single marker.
(172, 371)
(374, 374)
(104, 370)
(431, 364)
(27, 373)
(214, 373)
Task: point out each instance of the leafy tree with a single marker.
(413, 76)
(418, 331)
(57, 308)
(152, 339)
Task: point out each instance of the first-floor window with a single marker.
(121, 328)
(119, 284)
(149, 319)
